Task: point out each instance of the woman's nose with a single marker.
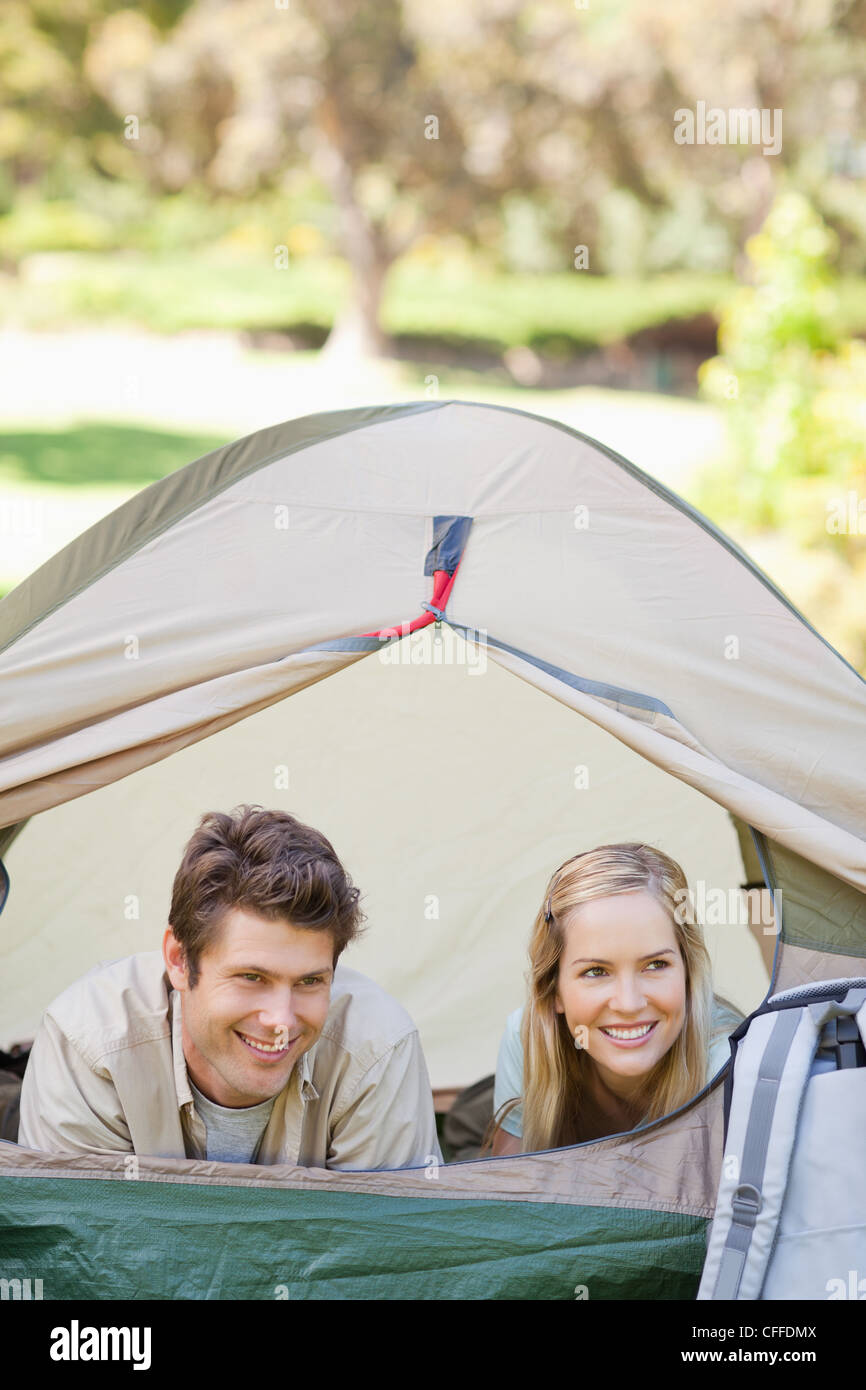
(628, 996)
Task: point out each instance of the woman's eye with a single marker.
(588, 974)
(663, 963)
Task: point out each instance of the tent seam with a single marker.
(416, 407)
(200, 501)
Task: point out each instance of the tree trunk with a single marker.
(357, 331)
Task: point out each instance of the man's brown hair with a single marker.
(264, 862)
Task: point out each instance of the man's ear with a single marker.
(175, 960)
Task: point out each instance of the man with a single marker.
(243, 1041)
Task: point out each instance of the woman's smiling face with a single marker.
(622, 983)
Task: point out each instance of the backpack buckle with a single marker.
(746, 1203)
(841, 1040)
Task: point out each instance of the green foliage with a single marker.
(60, 225)
(792, 385)
(110, 215)
(531, 242)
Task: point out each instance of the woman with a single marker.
(621, 1026)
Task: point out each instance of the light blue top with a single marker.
(509, 1066)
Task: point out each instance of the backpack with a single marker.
(790, 1220)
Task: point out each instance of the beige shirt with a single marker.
(107, 1073)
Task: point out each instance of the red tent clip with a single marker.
(443, 583)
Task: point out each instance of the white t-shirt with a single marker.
(509, 1066)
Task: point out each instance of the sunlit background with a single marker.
(219, 214)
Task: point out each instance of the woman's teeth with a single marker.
(627, 1033)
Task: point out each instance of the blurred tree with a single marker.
(794, 390)
(239, 93)
(51, 119)
(527, 127)
(592, 95)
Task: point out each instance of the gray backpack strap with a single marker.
(766, 1098)
(771, 1072)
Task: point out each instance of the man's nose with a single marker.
(278, 1014)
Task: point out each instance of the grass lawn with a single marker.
(54, 484)
(463, 303)
(128, 456)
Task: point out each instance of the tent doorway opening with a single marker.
(449, 787)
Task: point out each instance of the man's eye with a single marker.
(250, 976)
(311, 980)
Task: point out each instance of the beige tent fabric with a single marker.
(175, 722)
(799, 966)
(161, 506)
(641, 595)
(673, 1166)
(205, 594)
(224, 593)
(661, 740)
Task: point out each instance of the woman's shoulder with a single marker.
(513, 1022)
(509, 1073)
(511, 1045)
(725, 1016)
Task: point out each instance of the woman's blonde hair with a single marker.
(555, 1072)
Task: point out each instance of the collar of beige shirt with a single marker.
(107, 1073)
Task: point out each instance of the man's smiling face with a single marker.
(259, 1004)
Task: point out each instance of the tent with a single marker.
(421, 556)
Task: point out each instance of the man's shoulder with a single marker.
(363, 1018)
(118, 1002)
